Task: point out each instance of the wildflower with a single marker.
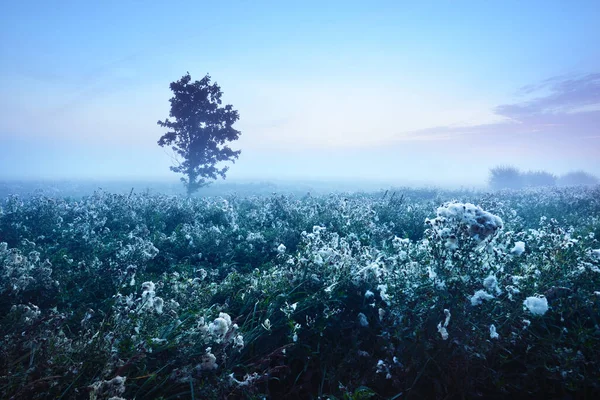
(238, 341)
(158, 305)
(382, 367)
(383, 293)
(518, 249)
(493, 333)
(447, 314)
(220, 326)
(148, 287)
(208, 361)
(443, 331)
(511, 290)
(267, 324)
(397, 242)
(202, 274)
(104, 389)
(536, 305)
(329, 288)
(442, 328)
(491, 284)
(289, 309)
(362, 320)
(248, 379)
(295, 336)
(481, 223)
(479, 296)
(318, 229)
(318, 259)
(281, 249)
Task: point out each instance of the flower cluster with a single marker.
(151, 295)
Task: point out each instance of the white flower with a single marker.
(518, 249)
(493, 333)
(362, 320)
(317, 229)
(536, 305)
(479, 296)
(383, 293)
(511, 290)
(442, 330)
(158, 305)
(491, 284)
(281, 249)
(202, 274)
(289, 309)
(447, 320)
(318, 259)
(267, 324)
(397, 242)
(226, 317)
(148, 286)
(220, 326)
(238, 341)
(381, 367)
(481, 223)
(208, 361)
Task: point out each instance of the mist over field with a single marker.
(318, 200)
(401, 94)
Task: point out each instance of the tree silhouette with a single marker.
(198, 128)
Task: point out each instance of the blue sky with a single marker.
(433, 92)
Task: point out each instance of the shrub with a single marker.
(538, 178)
(578, 178)
(505, 177)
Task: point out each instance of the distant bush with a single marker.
(538, 178)
(578, 178)
(508, 177)
(505, 177)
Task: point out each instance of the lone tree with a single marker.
(198, 130)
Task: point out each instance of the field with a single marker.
(406, 293)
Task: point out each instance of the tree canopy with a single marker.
(198, 129)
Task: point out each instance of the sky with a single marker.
(412, 92)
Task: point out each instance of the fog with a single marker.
(389, 106)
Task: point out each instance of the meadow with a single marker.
(404, 293)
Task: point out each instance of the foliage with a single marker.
(199, 130)
(577, 178)
(505, 177)
(337, 296)
(539, 178)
